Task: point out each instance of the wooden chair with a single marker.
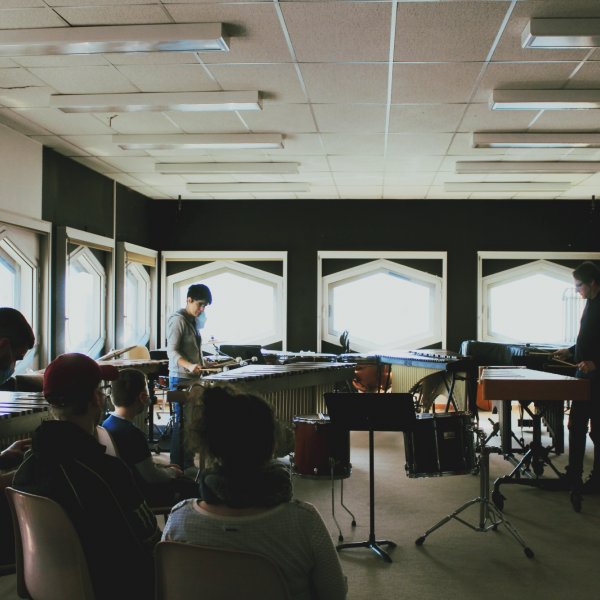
(50, 561)
(184, 570)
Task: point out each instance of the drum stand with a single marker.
(332, 464)
(489, 516)
(372, 543)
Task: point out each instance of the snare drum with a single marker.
(440, 444)
(317, 445)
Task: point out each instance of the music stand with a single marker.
(371, 412)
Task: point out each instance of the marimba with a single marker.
(291, 389)
(20, 414)
(527, 385)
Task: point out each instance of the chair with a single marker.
(50, 561)
(183, 570)
(104, 437)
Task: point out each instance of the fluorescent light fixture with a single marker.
(209, 188)
(561, 33)
(544, 99)
(191, 141)
(283, 168)
(189, 37)
(507, 186)
(156, 101)
(536, 140)
(474, 167)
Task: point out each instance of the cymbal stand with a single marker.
(489, 516)
(332, 464)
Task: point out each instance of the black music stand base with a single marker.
(489, 516)
(373, 545)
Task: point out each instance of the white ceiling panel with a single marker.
(365, 111)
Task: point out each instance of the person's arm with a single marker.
(13, 455)
(175, 333)
(150, 472)
(327, 578)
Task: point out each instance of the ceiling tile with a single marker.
(315, 40)
(425, 143)
(465, 31)
(84, 80)
(339, 143)
(434, 83)
(198, 122)
(114, 14)
(350, 118)
(135, 122)
(479, 117)
(346, 83)
(29, 18)
(61, 123)
(406, 118)
(168, 78)
(276, 117)
(62, 60)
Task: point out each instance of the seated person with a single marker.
(16, 338)
(118, 530)
(163, 485)
(246, 497)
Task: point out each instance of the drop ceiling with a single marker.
(373, 99)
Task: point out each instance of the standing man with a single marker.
(184, 349)
(586, 355)
(67, 464)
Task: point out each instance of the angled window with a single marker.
(85, 303)
(9, 295)
(535, 302)
(383, 304)
(248, 301)
(137, 305)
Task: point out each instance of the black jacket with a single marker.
(117, 529)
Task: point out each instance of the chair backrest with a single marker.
(104, 437)
(183, 571)
(137, 352)
(51, 561)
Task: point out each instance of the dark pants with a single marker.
(582, 415)
(179, 454)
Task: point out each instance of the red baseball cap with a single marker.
(72, 374)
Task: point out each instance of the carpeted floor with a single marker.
(455, 562)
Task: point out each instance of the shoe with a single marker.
(591, 485)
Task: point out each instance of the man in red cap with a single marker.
(66, 463)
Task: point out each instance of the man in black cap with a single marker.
(117, 529)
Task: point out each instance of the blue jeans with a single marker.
(179, 455)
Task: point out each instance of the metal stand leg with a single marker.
(340, 536)
(489, 516)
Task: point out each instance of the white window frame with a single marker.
(98, 270)
(142, 275)
(217, 261)
(64, 237)
(39, 293)
(378, 261)
(540, 261)
(126, 254)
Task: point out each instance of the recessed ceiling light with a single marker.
(286, 168)
(190, 141)
(561, 33)
(156, 101)
(208, 188)
(473, 167)
(506, 186)
(172, 37)
(536, 140)
(544, 99)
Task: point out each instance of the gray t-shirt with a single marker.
(183, 341)
(292, 535)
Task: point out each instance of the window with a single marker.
(17, 278)
(383, 304)
(248, 299)
(137, 305)
(8, 281)
(533, 301)
(85, 303)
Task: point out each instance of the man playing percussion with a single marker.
(184, 349)
(586, 355)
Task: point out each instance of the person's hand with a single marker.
(586, 366)
(195, 369)
(177, 469)
(562, 354)
(17, 449)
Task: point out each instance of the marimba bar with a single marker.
(20, 414)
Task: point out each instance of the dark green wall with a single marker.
(303, 227)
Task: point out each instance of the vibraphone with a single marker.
(20, 414)
(291, 389)
(410, 366)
